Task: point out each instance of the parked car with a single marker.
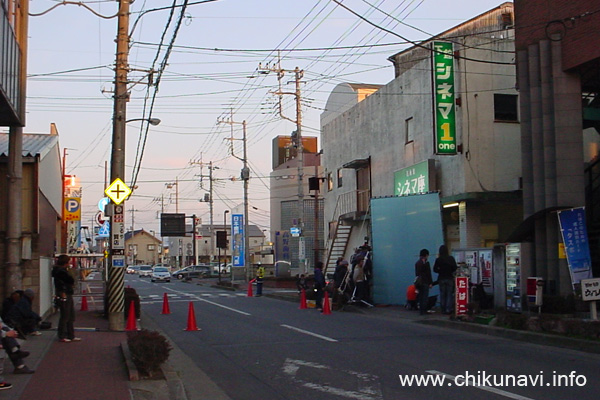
(145, 270)
(160, 274)
(192, 271)
(225, 269)
(132, 269)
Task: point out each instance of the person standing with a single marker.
(63, 286)
(445, 266)
(260, 277)
(319, 285)
(423, 281)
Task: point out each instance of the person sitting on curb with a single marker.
(13, 349)
(22, 316)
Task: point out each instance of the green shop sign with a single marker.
(445, 117)
(412, 180)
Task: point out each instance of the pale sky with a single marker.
(211, 69)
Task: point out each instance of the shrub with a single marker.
(512, 321)
(559, 304)
(149, 350)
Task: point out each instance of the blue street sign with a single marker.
(104, 230)
(295, 231)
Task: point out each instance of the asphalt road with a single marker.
(264, 348)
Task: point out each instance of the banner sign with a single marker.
(577, 248)
(412, 180)
(237, 235)
(462, 295)
(444, 98)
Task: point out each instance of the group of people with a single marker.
(350, 279)
(18, 320)
(445, 266)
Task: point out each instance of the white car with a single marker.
(160, 274)
(145, 270)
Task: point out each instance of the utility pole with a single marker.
(298, 75)
(116, 289)
(210, 197)
(245, 175)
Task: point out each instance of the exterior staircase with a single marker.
(337, 247)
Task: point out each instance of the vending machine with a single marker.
(514, 299)
(512, 266)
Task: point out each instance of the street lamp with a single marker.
(151, 121)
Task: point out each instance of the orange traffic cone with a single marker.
(326, 307)
(166, 309)
(303, 300)
(191, 323)
(84, 305)
(131, 325)
(250, 288)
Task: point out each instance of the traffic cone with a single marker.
(131, 325)
(84, 304)
(303, 300)
(166, 309)
(250, 288)
(191, 322)
(326, 308)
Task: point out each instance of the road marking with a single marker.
(365, 386)
(310, 333)
(485, 388)
(213, 303)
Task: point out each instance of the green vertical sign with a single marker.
(412, 180)
(443, 80)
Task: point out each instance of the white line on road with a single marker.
(211, 302)
(480, 387)
(310, 333)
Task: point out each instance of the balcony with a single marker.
(353, 205)
(11, 109)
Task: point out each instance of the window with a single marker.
(151, 247)
(409, 130)
(339, 177)
(329, 182)
(506, 108)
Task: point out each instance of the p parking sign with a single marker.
(72, 209)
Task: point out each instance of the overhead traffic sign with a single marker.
(118, 191)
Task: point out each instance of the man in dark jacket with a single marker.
(22, 316)
(319, 285)
(63, 286)
(423, 280)
(445, 266)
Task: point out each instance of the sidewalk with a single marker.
(91, 369)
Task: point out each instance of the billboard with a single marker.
(444, 98)
(237, 237)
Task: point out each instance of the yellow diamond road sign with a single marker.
(117, 191)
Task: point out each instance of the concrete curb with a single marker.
(587, 346)
(132, 371)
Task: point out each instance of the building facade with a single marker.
(558, 59)
(42, 203)
(388, 142)
(142, 248)
(294, 242)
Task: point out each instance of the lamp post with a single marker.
(151, 121)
